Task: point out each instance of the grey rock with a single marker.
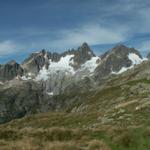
(10, 71)
(114, 60)
(148, 56)
(36, 61)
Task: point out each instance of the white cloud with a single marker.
(8, 47)
(92, 34)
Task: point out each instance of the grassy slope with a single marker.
(108, 119)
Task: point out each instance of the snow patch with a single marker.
(135, 61)
(50, 93)
(90, 64)
(43, 74)
(123, 69)
(135, 58)
(64, 64)
(27, 77)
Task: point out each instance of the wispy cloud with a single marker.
(9, 47)
(61, 25)
(92, 34)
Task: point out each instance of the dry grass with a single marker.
(49, 139)
(30, 144)
(61, 146)
(24, 144)
(74, 139)
(97, 145)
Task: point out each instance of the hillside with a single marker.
(112, 118)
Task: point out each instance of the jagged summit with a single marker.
(119, 46)
(36, 61)
(82, 54)
(121, 50)
(79, 62)
(124, 50)
(12, 62)
(10, 70)
(85, 49)
(117, 60)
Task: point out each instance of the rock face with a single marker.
(26, 98)
(53, 70)
(37, 61)
(115, 59)
(57, 71)
(10, 70)
(148, 56)
(29, 98)
(81, 55)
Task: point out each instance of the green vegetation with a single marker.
(102, 138)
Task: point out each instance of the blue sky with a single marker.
(57, 25)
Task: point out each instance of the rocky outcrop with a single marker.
(30, 98)
(114, 60)
(148, 56)
(46, 66)
(81, 55)
(36, 61)
(10, 71)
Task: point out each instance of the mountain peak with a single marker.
(82, 54)
(85, 48)
(10, 70)
(85, 45)
(43, 52)
(120, 46)
(118, 58)
(123, 50)
(12, 62)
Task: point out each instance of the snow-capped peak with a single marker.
(135, 59)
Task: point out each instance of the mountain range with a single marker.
(35, 85)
